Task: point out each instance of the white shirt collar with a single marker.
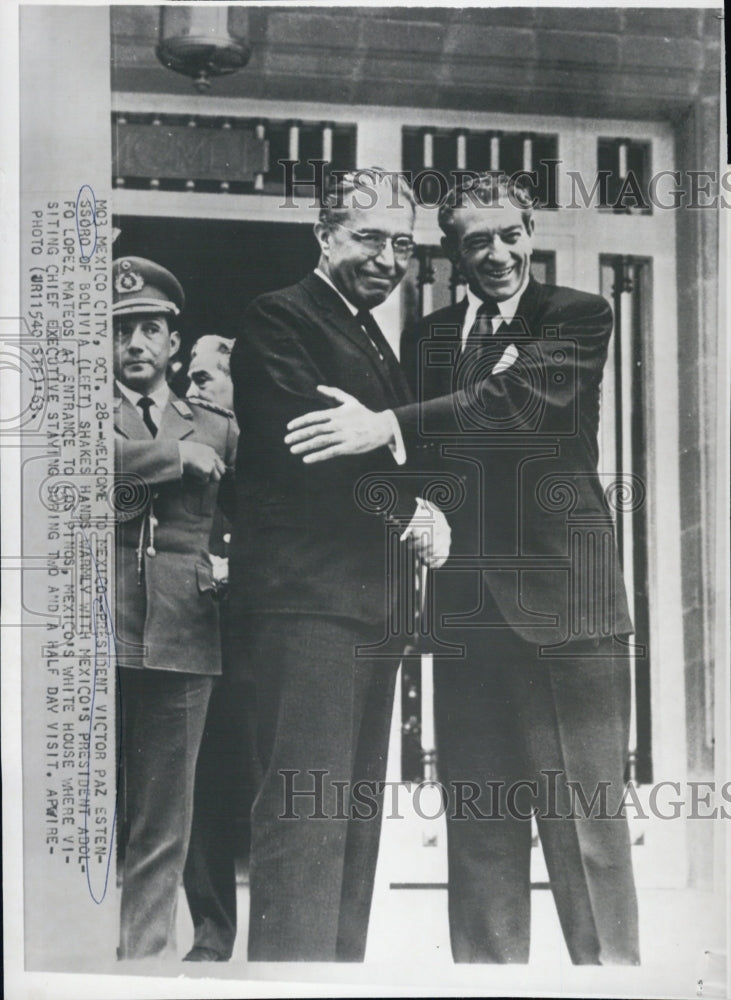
(321, 274)
(507, 308)
(159, 397)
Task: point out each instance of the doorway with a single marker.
(222, 265)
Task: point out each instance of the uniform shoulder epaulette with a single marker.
(213, 407)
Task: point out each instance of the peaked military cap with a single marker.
(142, 286)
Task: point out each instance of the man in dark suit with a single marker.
(169, 459)
(311, 578)
(537, 708)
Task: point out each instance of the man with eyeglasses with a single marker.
(311, 576)
(534, 720)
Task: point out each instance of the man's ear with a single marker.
(530, 226)
(174, 343)
(322, 235)
(450, 251)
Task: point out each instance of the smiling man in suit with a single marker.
(537, 709)
(311, 577)
(169, 460)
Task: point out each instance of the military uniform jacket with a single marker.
(514, 417)
(167, 615)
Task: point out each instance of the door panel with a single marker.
(222, 265)
(627, 283)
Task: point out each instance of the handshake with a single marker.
(431, 534)
(219, 571)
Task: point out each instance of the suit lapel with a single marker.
(438, 380)
(525, 321)
(331, 309)
(448, 322)
(530, 307)
(455, 315)
(329, 304)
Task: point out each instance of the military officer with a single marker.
(209, 370)
(170, 457)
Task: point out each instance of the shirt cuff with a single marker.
(397, 447)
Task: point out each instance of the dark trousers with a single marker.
(226, 780)
(507, 714)
(163, 713)
(323, 725)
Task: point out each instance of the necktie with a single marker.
(144, 404)
(394, 374)
(374, 334)
(482, 326)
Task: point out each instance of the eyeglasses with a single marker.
(375, 243)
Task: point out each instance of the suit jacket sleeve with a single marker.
(539, 393)
(158, 460)
(275, 380)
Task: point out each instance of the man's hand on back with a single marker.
(348, 429)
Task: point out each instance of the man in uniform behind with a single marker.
(170, 457)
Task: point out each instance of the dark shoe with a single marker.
(201, 954)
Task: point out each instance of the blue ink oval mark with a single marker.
(86, 229)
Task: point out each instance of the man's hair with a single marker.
(489, 188)
(222, 346)
(344, 191)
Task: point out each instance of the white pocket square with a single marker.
(510, 356)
